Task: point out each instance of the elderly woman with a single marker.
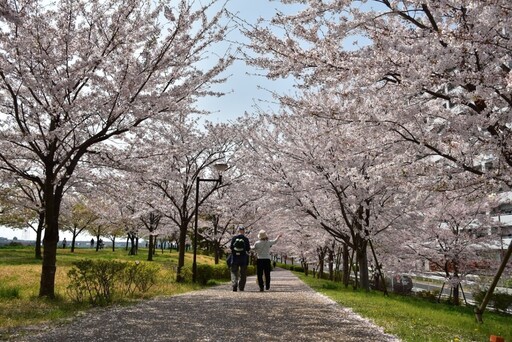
(262, 249)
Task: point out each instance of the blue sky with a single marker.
(244, 89)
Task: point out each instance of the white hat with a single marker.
(262, 235)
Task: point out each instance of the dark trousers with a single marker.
(263, 267)
(239, 271)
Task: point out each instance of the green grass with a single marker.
(20, 275)
(413, 319)
(9, 292)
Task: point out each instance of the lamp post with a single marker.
(221, 167)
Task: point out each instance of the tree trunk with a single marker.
(133, 250)
(331, 264)
(97, 242)
(362, 260)
(456, 295)
(455, 288)
(181, 252)
(39, 233)
(151, 247)
(73, 242)
(216, 251)
(346, 265)
(321, 256)
(50, 241)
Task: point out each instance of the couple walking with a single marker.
(240, 248)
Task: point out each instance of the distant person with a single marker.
(262, 249)
(240, 247)
(64, 243)
(92, 243)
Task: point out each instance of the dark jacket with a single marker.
(240, 258)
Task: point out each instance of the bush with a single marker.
(221, 272)
(102, 281)
(330, 286)
(501, 301)
(296, 268)
(139, 276)
(9, 292)
(205, 273)
(431, 296)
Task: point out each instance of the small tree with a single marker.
(76, 218)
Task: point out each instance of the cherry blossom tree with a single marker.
(456, 107)
(433, 75)
(109, 201)
(167, 159)
(449, 233)
(76, 217)
(318, 167)
(76, 74)
(7, 13)
(151, 222)
(242, 203)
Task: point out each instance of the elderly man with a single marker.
(240, 248)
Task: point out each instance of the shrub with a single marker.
(501, 301)
(478, 295)
(139, 276)
(221, 272)
(431, 296)
(9, 292)
(204, 273)
(296, 268)
(186, 273)
(100, 281)
(330, 286)
(94, 280)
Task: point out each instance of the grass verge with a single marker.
(414, 319)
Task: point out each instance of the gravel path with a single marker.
(290, 311)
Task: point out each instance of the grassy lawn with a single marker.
(20, 276)
(413, 319)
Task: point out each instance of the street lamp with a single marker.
(220, 167)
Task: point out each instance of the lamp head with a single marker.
(220, 167)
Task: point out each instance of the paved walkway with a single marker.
(290, 311)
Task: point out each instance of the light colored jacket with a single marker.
(262, 248)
